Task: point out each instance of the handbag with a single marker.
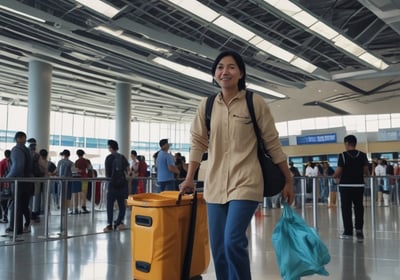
(274, 180)
(298, 248)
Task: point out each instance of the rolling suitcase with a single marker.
(169, 235)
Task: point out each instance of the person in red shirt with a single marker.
(142, 173)
(4, 164)
(83, 165)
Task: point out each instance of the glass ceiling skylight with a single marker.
(120, 34)
(22, 14)
(100, 7)
(325, 31)
(236, 29)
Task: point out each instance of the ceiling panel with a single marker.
(87, 62)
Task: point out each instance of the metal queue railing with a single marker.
(13, 183)
(373, 184)
(307, 189)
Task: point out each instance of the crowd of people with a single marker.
(327, 186)
(169, 171)
(25, 162)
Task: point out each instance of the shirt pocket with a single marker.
(241, 119)
(242, 128)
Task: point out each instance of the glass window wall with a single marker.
(91, 133)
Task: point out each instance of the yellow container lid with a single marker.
(158, 199)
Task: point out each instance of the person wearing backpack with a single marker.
(38, 171)
(21, 166)
(64, 170)
(234, 183)
(352, 167)
(116, 167)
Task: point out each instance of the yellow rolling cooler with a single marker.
(169, 236)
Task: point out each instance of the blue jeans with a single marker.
(134, 186)
(324, 189)
(119, 195)
(229, 245)
(167, 186)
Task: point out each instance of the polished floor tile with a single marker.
(88, 253)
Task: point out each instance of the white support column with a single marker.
(39, 92)
(123, 118)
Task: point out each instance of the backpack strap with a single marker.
(250, 107)
(209, 106)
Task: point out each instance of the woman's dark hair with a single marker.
(240, 63)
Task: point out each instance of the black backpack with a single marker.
(36, 170)
(118, 176)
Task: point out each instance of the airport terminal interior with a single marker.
(75, 73)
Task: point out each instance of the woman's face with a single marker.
(227, 74)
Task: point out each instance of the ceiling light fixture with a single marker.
(120, 34)
(303, 64)
(108, 30)
(227, 24)
(200, 10)
(186, 70)
(303, 17)
(324, 30)
(373, 60)
(194, 73)
(100, 7)
(81, 56)
(340, 76)
(348, 45)
(204, 12)
(271, 92)
(22, 14)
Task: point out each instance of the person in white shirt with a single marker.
(383, 192)
(311, 171)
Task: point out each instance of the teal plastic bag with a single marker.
(298, 248)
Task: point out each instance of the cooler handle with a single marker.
(145, 221)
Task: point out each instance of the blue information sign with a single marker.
(284, 141)
(316, 139)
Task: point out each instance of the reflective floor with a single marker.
(88, 253)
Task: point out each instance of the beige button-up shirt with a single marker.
(234, 172)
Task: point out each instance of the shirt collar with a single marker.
(241, 94)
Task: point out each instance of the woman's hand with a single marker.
(288, 192)
(187, 186)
